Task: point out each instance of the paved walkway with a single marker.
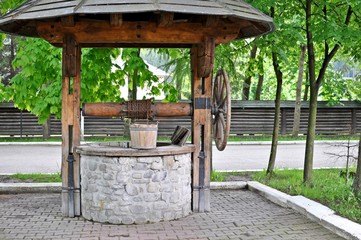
(235, 215)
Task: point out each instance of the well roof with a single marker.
(22, 21)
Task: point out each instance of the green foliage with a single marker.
(176, 62)
(7, 5)
(327, 187)
(37, 87)
(232, 57)
(100, 79)
(217, 176)
(37, 177)
(134, 63)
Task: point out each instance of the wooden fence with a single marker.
(248, 117)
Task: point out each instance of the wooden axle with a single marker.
(121, 109)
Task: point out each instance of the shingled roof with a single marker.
(22, 21)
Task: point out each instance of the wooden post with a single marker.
(70, 127)
(283, 121)
(202, 123)
(353, 121)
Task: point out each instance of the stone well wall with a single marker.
(135, 189)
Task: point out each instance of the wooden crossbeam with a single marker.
(116, 20)
(96, 33)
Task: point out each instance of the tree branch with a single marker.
(303, 5)
(330, 55)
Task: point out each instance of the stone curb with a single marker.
(269, 193)
(14, 188)
(229, 185)
(311, 209)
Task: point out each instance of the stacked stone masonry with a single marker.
(127, 190)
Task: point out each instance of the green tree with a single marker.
(37, 88)
(327, 26)
(281, 48)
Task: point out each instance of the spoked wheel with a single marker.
(221, 109)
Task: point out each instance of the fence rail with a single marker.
(248, 117)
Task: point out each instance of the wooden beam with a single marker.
(196, 130)
(211, 21)
(165, 19)
(116, 20)
(70, 125)
(201, 130)
(121, 109)
(95, 33)
(206, 57)
(68, 21)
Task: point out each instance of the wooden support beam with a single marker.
(206, 57)
(70, 126)
(116, 20)
(201, 130)
(121, 109)
(94, 32)
(211, 21)
(165, 19)
(68, 21)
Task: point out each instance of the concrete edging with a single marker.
(14, 188)
(311, 209)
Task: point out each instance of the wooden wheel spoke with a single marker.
(218, 90)
(222, 120)
(220, 128)
(221, 104)
(221, 109)
(222, 93)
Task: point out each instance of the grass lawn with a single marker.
(327, 188)
(37, 177)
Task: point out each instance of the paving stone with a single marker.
(235, 214)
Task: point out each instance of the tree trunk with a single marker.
(311, 132)
(259, 87)
(132, 91)
(179, 85)
(297, 112)
(12, 56)
(47, 128)
(259, 84)
(276, 125)
(248, 79)
(357, 181)
(307, 87)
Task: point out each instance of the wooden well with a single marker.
(198, 25)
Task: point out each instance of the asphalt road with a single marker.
(46, 158)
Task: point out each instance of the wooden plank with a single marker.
(95, 32)
(206, 57)
(116, 20)
(196, 130)
(70, 120)
(77, 131)
(165, 19)
(202, 127)
(121, 109)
